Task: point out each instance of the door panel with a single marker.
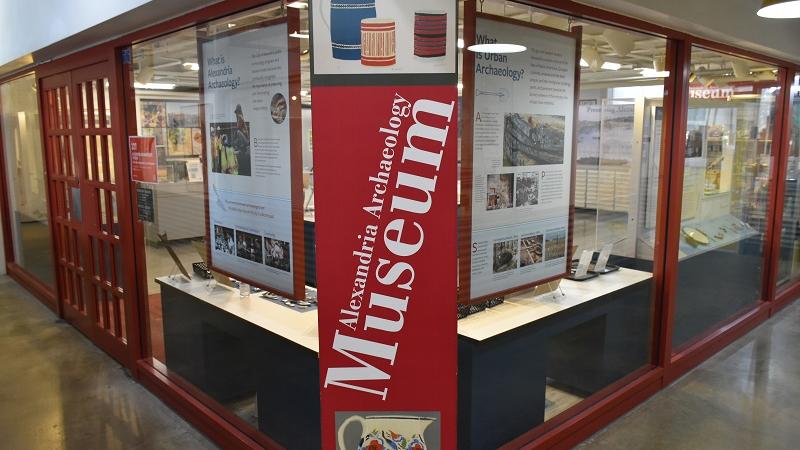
(83, 172)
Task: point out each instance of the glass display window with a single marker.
(30, 227)
(789, 257)
(726, 186)
(217, 121)
(561, 341)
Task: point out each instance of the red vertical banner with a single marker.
(385, 130)
(385, 167)
(144, 159)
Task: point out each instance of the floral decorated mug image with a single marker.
(387, 432)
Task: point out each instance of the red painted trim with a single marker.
(192, 410)
(594, 418)
(786, 295)
(670, 192)
(720, 337)
(778, 168)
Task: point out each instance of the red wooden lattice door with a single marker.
(84, 174)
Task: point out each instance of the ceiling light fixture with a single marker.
(779, 9)
(460, 43)
(299, 35)
(231, 25)
(157, 86)
(651, 73)
(191, 66)
(298, 5)
(584, 63)
(497, 48)
(610, 66)
(304, 93)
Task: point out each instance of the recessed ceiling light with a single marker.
(652, 73)
(584, 63)
(779, 9)
(299, 35)
(231, 25)
(298, 5)
(191, 66)
(304, 93)
(497, 48)
(460, 43)
(610, 66)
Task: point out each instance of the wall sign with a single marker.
(385, 136)
(144, 159)
(145, 204)
(517, 181)
(252, 162)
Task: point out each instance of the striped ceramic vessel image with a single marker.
(378, 44)
(345, 26)
(430, 34)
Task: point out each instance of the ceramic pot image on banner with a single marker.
(386, 433)
(430, 34)
(378, 45)
(345, 26)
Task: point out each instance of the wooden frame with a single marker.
(292, 21)
(466, 175)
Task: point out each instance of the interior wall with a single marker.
(26, 26)
(733, 22)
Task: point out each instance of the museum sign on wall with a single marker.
(385, 133)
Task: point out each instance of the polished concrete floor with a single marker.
(745, 397)
(58, 391)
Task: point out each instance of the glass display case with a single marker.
(726, 185)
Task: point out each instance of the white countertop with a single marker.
(295, 325)
(523, 308)
(301, 328)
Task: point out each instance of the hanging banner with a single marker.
(250, 163)
(144, 159)
(521, 164)
(385, 159)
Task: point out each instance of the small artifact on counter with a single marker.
(695, 237)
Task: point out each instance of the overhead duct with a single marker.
(658, 63)
(593, 58)
(740, 68)
(622, 43)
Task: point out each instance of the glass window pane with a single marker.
(789, 262)
(586, 339)
(726, 187)
(30, 233)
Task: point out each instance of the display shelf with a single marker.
(524, 308)
(298, 326)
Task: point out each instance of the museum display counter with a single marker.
(232, 347)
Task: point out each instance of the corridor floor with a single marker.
(58, 391)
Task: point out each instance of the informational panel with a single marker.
(246, 97)
(385, 162)
(522, 127)
(144, 159)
